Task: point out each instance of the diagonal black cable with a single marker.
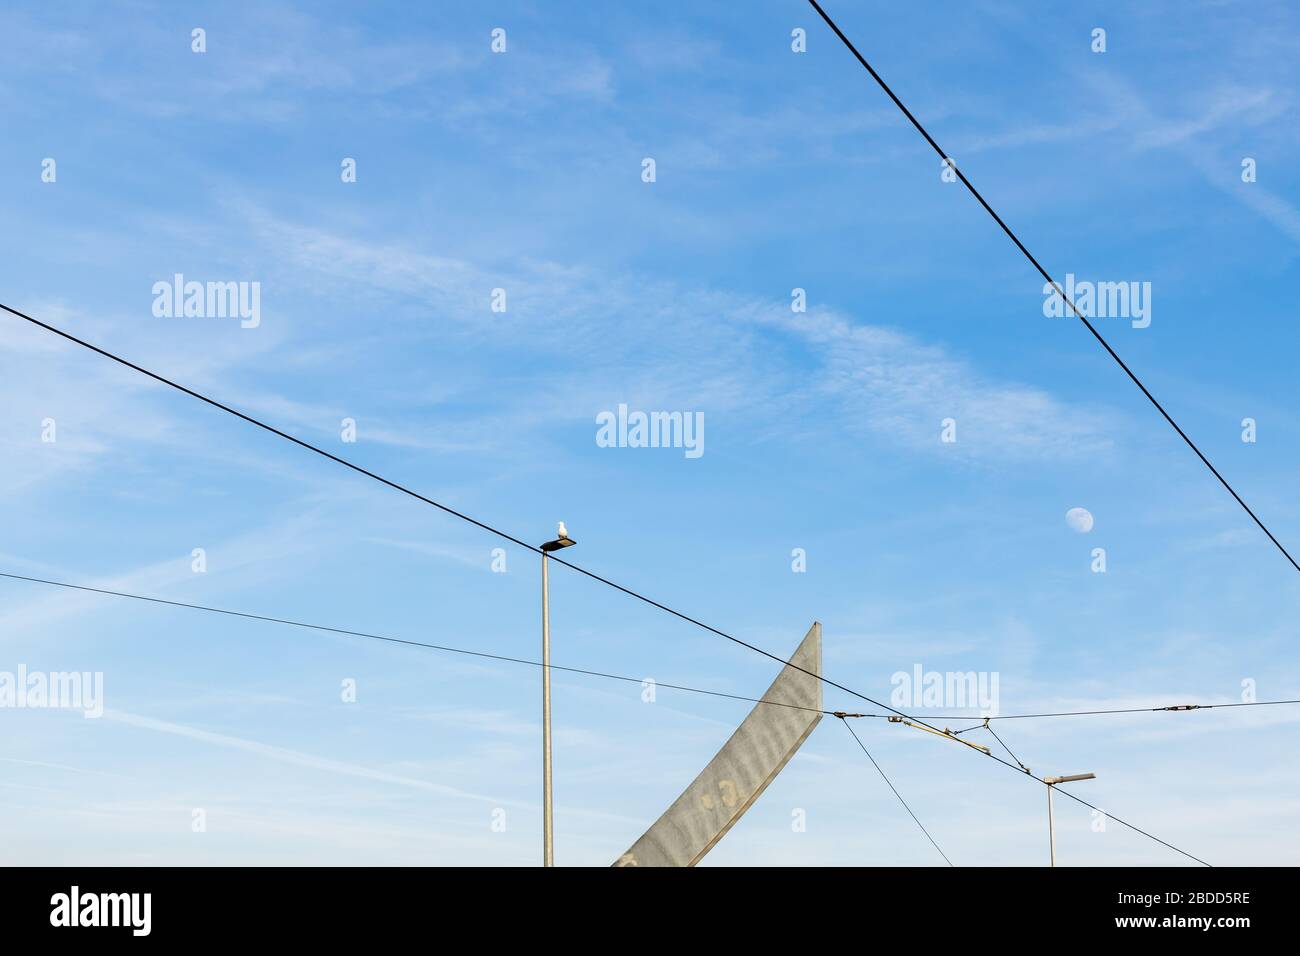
(1043, 272)
(270, 428)
(486, 527)
(396, 640)
(896, 793)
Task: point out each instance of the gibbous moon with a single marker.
(1080, 519)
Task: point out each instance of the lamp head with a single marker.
(1070, 779)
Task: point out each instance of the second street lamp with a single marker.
(562, 540)
(1051, 785)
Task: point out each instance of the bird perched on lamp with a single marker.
(562, 540)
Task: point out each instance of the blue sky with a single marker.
(522, 171)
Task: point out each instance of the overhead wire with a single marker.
(397, 640)
(896, 793)
(1095, 713)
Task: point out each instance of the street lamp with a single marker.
(562, 540)
(1051, 785)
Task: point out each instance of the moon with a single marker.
(1080, 519)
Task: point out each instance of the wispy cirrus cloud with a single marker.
(879, 380)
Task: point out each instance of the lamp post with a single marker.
(562, 540)
(1051, 785)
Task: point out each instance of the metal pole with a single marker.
(1051, 834)
(548, 858)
